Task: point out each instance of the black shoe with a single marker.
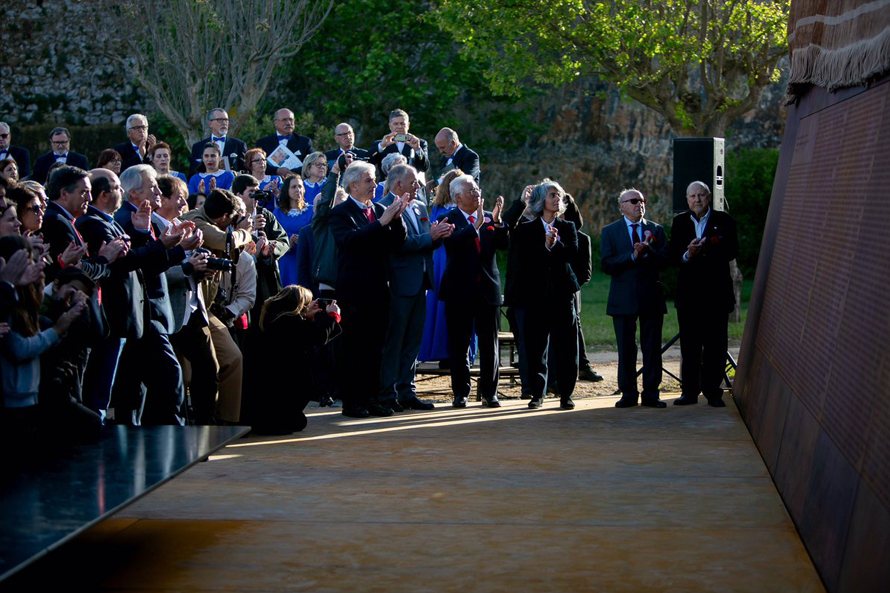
(654, 403)
(525, 396)
(567, 403)
(536, 402)
(491, 403)
(416, 404)
(396, 406)
(686, 400)
(588, 374)
(379, 410)
(325, 402)
(355, 412)
(459, 402)
(626, 402)
(716, 402)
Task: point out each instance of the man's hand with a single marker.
(150, 141)
(112, 251)
(259, 222)
(498, 208)
(480, 215)
(640, 249)
(245, 224)
(199, 264)
(441, 230)
(194, 240)
(172, 236)
(392, 211)
(387, 140)
(68, 317)
(73, 253)
(413, 142)
(283, 172)
(141, 219)
(695, 247)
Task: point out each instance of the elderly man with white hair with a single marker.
(139, 142)
(634, 252)
(471, 289)
(364, 233)
(456, 155)
(20, 155)
(703, 242)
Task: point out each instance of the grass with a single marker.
(598, 330)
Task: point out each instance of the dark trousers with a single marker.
(192, 343)
(583, 361)
(100, 373)
(460, 318)
(650, 343)
(148, 389)
(703, 344)
(360, 352)
(404, 334)
(555, 328)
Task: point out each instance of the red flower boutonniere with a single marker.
(424, 219)
(489, 228)
(714, 239)
(649, 238)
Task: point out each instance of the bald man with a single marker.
(285, 126)
(456, 155)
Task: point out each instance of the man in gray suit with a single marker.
(634, 252)
(410, 270)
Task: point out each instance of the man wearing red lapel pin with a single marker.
(703, 242)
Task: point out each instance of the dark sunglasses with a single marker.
(634, 201)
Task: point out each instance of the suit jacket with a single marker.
(123, 291)
(582, 265)
(411, 265)
(155, 278)
(417, 159)
(636, 284)
(59, 232)
(705, 281)
(472, 271)
(22, 158)
(129, 157)
(542, 274)
(299, 145)
(45, 161)
(362, 246)
(467, 161)
(333, 155)
(234, 149)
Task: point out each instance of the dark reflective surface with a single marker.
(44, 505)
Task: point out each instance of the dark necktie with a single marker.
(369, 212)
(635, 233)
(472, 220)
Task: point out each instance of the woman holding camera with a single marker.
(256, 166)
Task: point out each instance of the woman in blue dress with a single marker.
(255, 158)
(213, 177)
(315, 175)
(293, 213)
(435, 335)
(161, 158)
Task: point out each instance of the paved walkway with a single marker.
(596, 499)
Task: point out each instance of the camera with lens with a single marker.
(262, 196)
(221, 264)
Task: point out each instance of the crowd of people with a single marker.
(270, 276)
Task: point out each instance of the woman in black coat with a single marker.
(292, 324)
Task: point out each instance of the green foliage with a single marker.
(370, 58)
(697, 62)
(749, 185)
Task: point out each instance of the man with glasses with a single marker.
(60, 140)
(135, 151)
(344, 136)
(703, 242)
(634, 252)
(231, 149)
(20, 155)
(301, 146)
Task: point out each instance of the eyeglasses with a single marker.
(634, 201)
(287, 120)
(257, 161)
(35, 209)
(59, 142)
(139, 128)
(118, 161)
(6, 135)
(321, 164)
(221, 119)
(349, 133)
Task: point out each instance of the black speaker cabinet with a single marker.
(698, 159)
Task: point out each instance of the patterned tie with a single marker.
(369, 212)
(635, 233)
(472, 220)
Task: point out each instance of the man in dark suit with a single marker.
(634, 252)
(135, 151)
(60, 139)
(20, 155)
(414, 149)
(471, 290)
(410, 276)
(345, 138)
(230, 148)
(364, 233)
(542, 294)
(301, 146)
(703, 242)
(456, 155)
